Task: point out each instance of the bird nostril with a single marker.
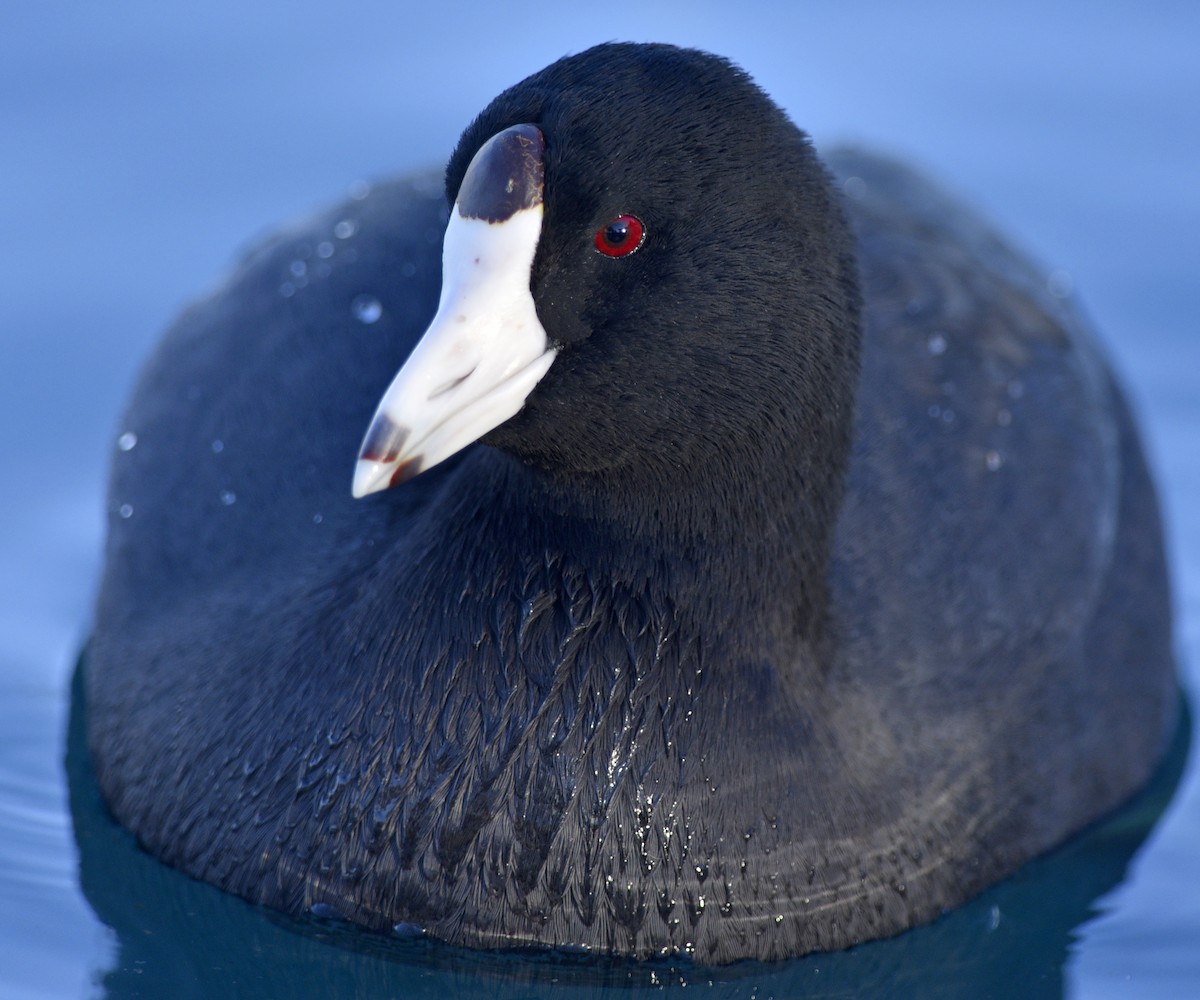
(454, 383)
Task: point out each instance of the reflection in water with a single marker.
(180, 938)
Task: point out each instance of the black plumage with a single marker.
(818, 584)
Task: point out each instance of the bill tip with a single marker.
(369, 477)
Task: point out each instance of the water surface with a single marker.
(145, 143)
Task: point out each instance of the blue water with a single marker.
(142, 143)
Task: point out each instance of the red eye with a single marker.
(620, 237)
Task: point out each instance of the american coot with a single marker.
(805, 579)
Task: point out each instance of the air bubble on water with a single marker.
(359, 190)
(994, 460)
(228, 498)
(127, 441)
(936, 344)
(287, 289)
(318, 518)
(1060, 284)
(125, 510)
(935, 411)
(218, 446)
(325, 249)
(345, 229)
(366, 308)
(948, 416)
(298, 268)
(855, 187)
(408, 269)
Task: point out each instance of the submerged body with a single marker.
(787, 676)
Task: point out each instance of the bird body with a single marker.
(817, 583)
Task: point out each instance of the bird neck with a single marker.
(748, 544)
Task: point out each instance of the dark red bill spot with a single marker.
(406, 471)
(384, 441)
(620, 237)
